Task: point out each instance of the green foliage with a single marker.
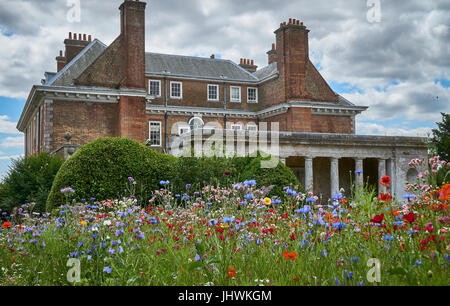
(278, 177)
(211, 171)
(29, 179)
(200, 172)
(441, 138)
(101, 169)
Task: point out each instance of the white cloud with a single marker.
(10, 157)
(364, 128)
(12, 142)
(7, 126)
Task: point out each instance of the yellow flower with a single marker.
(224, 226)
(83, 223)
(267, 201)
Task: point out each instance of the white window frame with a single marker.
(236, 125)
(150, 132)
(240, 94)
(218, 92)
(248, 96)
(181, 90)
(252, 125)
(159, 87)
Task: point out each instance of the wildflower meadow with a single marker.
(235, 235)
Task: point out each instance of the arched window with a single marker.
(196, 123)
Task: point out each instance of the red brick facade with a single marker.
(122, 66)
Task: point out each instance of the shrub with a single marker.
(210, 171)
(279, 177)
(29, 179)
(101, 169)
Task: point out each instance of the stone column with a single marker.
(390, 172)
(359, 174)
(334, 175)
(381, 173)
(309, 176)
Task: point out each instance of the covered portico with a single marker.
(325, 163)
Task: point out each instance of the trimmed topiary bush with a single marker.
(29, 179)
(101, 169)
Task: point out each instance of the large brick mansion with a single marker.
(122, 90)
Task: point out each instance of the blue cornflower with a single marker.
(337, 197)
(249, 196)
(107, 270)
(398, 223)
(228, 220)
(250, 183)
(311, 200)
(188, 186)
(388, 238)
(197, 257)
(408, 197)
(358, 172)
(418, 263)
(339, 225)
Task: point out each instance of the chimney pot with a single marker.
(70, 35)
(273, 46)
(84, 37)
(60, 53)
(301, 23)
(253, 63)
(89, 38)
(294, 21)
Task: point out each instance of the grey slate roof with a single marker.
(74, 69)
(267, 71)
(196, 67)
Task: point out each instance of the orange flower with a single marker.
(231, 272)
(6, 225)
(444, 193)
(290, 255)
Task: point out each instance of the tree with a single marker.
(441, 138)
(29, 179)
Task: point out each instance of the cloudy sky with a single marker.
(390, 55)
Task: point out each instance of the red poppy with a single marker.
(378, 219)
(290, 255)
(231, 273)
(385, 181)
(410, 217)
(444, 193)
(6, 225)
(385, 198)
(227, 173)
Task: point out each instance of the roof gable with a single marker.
(75, 68)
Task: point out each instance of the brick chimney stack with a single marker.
(248, 65)
(132, 29)
(60, 61)
(74, 45)
(132, 116)
(292, 53)
(272, 54)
